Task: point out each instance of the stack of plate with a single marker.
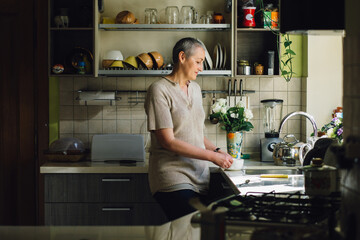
(219, 58)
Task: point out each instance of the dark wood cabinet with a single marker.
(100, 199)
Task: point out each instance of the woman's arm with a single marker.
(168, 141)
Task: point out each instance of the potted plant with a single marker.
(235, 120)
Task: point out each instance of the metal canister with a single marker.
(244, 67)
(320, 179)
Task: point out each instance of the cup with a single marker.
(187, 15)
(151, 16)
(172, 15)
(205, 19)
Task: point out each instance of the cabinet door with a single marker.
(97, 188)
(103, 214)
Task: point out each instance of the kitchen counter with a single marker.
(139, 167)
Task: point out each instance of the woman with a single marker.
(178, 167)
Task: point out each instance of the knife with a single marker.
(235, 88)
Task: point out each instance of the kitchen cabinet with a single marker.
(100, 199)
(252, 44)
(71, 34)
(92, 38)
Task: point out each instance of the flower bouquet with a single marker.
(334, 129)
(235, 120)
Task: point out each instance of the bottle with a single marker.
(81, 68)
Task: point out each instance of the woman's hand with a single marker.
(223, 159)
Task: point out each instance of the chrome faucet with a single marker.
(308, 116)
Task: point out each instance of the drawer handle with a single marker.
(115, 179)
(116, 209)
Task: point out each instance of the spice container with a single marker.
(244, 67)
(320, 179)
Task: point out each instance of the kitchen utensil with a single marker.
(224, 57)
(289, 152)
(131, 62)
(117, 64)
(151, 16)
(157, 59)
(220, 55)
(187, 15)
(320, 179)
(216, 56)
(272, 113)
(125, 17)
(207, 55)
(172, 15)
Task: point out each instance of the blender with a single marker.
(272, 113)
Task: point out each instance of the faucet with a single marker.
(308, 116)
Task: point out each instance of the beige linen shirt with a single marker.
(167, 106)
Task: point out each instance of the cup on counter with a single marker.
(151, 16)
(172, 15)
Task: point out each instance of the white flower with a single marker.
(223, 110)
(248, 114)
(216, 107)
(240, 104)
(222, 101)
(337, 122)
(330, 132)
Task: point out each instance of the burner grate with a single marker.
(295, 208)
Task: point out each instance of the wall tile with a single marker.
(209, 127)
(280, 84)
(109, 83)
(123, 126)
(80, 112)
(94, 84)
(138, 114)
(221, 84)
(95, 112)
(84, 138)
(252, 84)
(294, 84)
(266, 95)
(138, 83)
(66, 112)
(96, 126)
(66, 126)
(254, 99)
(221, 140)
(123, 113)
(109, 126)
(81, 126)
(256, 112)
(66, 84)
(138, 126)
(252, 139)
(266, 84)
(109, 112)
(149, 81)
(212, 138)
(294, 126)
(123, 83)
(209, 83)
(66, 98)
(294, 98)
(80, 83)
(199, 80)
(283, 96)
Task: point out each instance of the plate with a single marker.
(216, 56)
(207, 56)
(224, 57)
(220, 56)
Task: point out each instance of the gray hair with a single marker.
(187, 45)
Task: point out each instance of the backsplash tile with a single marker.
(128, 116)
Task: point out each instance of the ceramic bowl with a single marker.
(131, 61)
(107, 63)
(146, 60)
(157, 59)
(113, 55)
(117, 63)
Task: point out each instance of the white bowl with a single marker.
(238, 164)
(113, 55)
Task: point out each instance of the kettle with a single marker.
(290, 151)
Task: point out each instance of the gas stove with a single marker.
(283, 213)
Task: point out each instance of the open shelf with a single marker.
(158, 72)
(165, 27)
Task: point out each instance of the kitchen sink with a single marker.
(272, 171)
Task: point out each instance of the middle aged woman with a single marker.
(179, 152)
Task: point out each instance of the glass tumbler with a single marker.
(187, 15)
(151, 16)
(172, 15)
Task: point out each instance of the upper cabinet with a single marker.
(83, 32)
(71, 37)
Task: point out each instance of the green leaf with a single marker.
(288, 60)
(287, 43)
(284, 72)
(290, 51)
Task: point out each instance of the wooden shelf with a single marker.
(71, 29)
